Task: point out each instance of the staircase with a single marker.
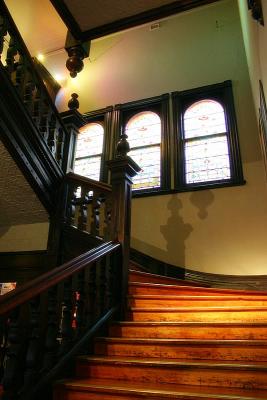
(179, 342)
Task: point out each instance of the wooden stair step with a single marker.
(190, 330)
(162, 289)
(141, 276)
(191, 349)
(103, 389)
(195, 301)
(194, 314)
(200, 373)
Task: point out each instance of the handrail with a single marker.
(72, 177)
(45, 281)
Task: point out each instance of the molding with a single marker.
(174, 7)
(263, 125)
(256, 10)
(154, 266)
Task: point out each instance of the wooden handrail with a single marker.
(42, 283)
(87, 181)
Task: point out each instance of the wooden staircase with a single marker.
(179, 342)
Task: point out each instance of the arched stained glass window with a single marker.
(206, 148)
(89, 150)
(144, 135)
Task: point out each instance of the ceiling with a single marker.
(89, 20)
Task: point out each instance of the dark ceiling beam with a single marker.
(125, 23)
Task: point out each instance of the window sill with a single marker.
(187, 188)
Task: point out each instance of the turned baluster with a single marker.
(107, 218)
(96, 204)
(3, 32)
(66, 331)
(83, 215)
(33, 350)
(90, 296)
(71, 204)
(11, 54)
(28, 94)
(14, 366)
(59, 145)
(51, 140)
(43, 127)
(79, 305)
(19, 74)
(51, 336)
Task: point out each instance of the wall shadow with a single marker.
(202, 200)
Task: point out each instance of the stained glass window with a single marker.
(206, 146)
(89, 150)
(144, 136)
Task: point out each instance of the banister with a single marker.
(88, 182)
(42, 283)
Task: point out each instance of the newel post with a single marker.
(123, 169)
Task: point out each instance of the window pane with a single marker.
(90, 140)
(148, 158)
(205, 117)
(144, 129)
(207, 160)
(89, 167)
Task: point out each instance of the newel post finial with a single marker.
(123, 169)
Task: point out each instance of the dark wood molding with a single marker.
(23, 141)
(159, 105)
(125, 23)
(221, 92)
(263, 125)
(154, 266)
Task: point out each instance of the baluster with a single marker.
(28, 94)
(3, 32)
(66, 333)
(51, 340)
(32, 356)
(37, 106)
(79, 305)
(96, 204)
(59, 145)
(107, 217)
(11, 54)
(43, 127)
(19, 73)
(102, 285)
(109, 282)
(51, 140)
(13, 374)
(90, 296)
(71, 205)
(83, 215)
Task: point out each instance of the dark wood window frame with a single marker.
(222, 93)
(159, 105)
(104, 117)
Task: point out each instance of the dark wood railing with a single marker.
(19, 65)
(45, 319)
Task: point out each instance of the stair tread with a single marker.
(200, 288)
(218, 342)
(159, 390)
(170, 363)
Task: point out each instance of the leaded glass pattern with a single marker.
(89, 151)
(206, 143)
(144, 136)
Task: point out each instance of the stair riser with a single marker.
(64, 394)
(202, 316)
(148, 303)
(189, 352)
(195, 376)
(166, 332)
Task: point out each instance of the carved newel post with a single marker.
(123, 169)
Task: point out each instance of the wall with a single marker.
(221, 230)
(23, 220)
(255, 41)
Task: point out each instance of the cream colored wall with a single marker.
(221, 230)
(24, 237)
(255, 41)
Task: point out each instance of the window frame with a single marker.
(104, 117)
(160, 106)
(181, 101)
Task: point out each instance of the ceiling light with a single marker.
(40, 57)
